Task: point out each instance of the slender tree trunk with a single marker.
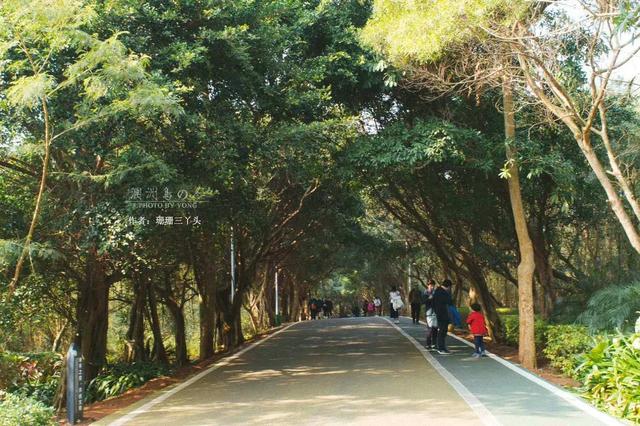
(526, 268)
(57, 341)
(295, 303)
(39, 196)
(584, 141)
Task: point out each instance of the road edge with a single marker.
(559, 392)
(166, 393)
(483, 413)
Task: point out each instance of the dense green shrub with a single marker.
(43, 391)
(512, 330)
(116, 379)
(565, 344)
(610, 374)
(31, 375)
(18, 410)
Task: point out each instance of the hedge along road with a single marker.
(353, 371)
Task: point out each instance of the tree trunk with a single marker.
(295, 304)
(483, 296)
(57, 341)
(203, 266)
(134, 345)
(232, 327)
(526, 267)
(159, 351)
(544, 272)
(93, 315)
(182, 357)
(584, 141)
(207, 326)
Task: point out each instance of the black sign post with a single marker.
(75, 384)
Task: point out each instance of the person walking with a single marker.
(378, 304)
(395, 304)
(430, 315)
(313, 308)
(415, 298)
(478, 327)
(441, 302)
(329, 308)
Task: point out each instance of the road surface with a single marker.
(359, 371)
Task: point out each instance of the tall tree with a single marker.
(103, 77)
(425, 34)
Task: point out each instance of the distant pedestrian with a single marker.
(355, 309)
(365, 307)
(415, 298)
(430, 315)
(478, 327)
(328, 308)
(378, 304)
(395, 304)
(371, 309)
(313, 308)
(441, 302)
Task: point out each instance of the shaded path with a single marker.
(355, 371)
(510, 397)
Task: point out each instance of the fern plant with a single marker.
(612, 308)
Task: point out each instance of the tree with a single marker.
(606, 35)
(49, 55)
(418, 34)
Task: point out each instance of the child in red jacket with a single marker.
(478, 328)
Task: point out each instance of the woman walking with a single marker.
(432, 321)
(395, 304)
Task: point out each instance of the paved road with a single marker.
(359, 371)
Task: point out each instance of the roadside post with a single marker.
(278, 319)
(75, 384)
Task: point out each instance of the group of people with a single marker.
(440, 312)
(319, 308)
(372, 307)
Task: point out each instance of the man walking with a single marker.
(415, 298)
(441, 302)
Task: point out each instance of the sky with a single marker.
(628, 72)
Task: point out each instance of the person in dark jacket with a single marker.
(441, 302)
(415, 298)
(314, 308)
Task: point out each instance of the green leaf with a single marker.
(29, 91)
